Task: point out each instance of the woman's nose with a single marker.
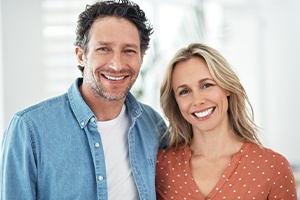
(198, 98)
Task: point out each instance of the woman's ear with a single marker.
(79, 55)
(228, 93)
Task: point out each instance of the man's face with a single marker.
(113, 59)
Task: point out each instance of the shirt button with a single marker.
(93, 119)
(100, 178)
(82, 123)
(97, 145)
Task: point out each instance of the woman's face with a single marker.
(201, 101)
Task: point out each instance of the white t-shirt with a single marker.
(114, 136)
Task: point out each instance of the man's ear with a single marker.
(79, 55)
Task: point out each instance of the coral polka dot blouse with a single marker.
(254, 173)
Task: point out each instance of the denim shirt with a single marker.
(53, 150)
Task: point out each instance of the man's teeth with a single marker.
(205, 113)
(114, 78)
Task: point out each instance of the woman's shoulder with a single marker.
(265, 153)
(170, 154)
(260, 149)
(170, 151)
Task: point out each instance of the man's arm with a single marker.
(18, 164)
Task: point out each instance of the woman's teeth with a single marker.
(114, 78)
(205, 113)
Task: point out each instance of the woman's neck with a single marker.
(214, 144)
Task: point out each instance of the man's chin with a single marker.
(114, 97)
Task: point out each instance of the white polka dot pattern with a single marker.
(254, 173)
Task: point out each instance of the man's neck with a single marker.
(104, 109)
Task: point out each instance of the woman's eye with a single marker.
(207, 85)
(183, 92)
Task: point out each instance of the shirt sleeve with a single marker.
(18, 167)
(284, 186)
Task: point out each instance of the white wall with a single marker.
(1, 80)
(21, 42)
(282, 70)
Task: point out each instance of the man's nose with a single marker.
(116, 62)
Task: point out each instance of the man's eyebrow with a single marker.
(125, 45)
(102, 43)
(132, 45)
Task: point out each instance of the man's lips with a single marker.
(114, 78)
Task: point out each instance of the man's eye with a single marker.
(130, 51)
(102, 49)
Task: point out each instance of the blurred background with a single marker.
(260, 38)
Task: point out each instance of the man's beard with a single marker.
(98, 89)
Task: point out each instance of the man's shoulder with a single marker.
(137, 106)
(147, 108)
(43, 116)
(45, 105)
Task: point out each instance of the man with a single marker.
(96, 141)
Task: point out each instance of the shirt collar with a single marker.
(81, 110)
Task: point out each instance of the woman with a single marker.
(214, 151)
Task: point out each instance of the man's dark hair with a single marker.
(120, 9)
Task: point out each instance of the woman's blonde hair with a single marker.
(241, 117)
